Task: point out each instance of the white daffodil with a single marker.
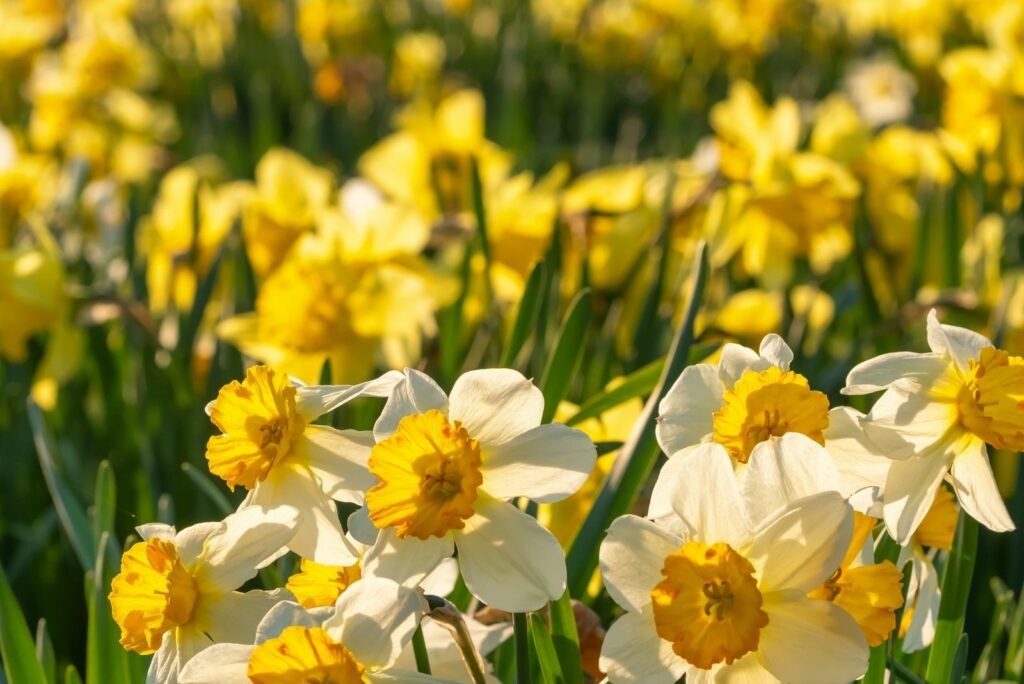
(750, 397)
(446, 469)
(443, 652)
(780, 472)
(271, 447)
(938, 414)
(176, 590)
(358, 642)
(717, 598)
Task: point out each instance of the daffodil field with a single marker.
(494, 341)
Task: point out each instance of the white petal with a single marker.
(406, 561)
(441, 581)
(669, 477)
(861, 463)
(495, 404)
(417, 393)
(746, 670)
(804, 544)
(633, 653)
(218, 664)
(775, 351)
(318, 536)
(878, 373)
(508, 560)
(405, 677)
(686, 413)
(910, 490)
(232, 618)
(374, 619)
(190, 540)
(338, 458)
(784, 470)
(976, 488)
(632, 556)
(921, 630)
(546, 463)
(284, 614)
(230, 556)
(157, 531)
(906, 420)
(316, 400)
(959, 344)
(812, 641)
(735, 360)
(708, 500)
(361, 528)
(163, 668)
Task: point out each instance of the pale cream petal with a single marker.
(417, 393)
(508, 560)
(783, 470)
(163, 668)
(878, 373)
(406, 561)
(282, 615)
(686, 413)
(976, 488)
(910, 489)
(861, 463)
(495, 404)
(633, 653)
(775, 351)
(160, 531)
(735, 360)
(374, 619)
(361, 528)
(707, 498)
(338, 459)
(190, 540)
(928, 595)
(218, 664)
(810, 641)
(632, 556)
(315, 400)
(231, 555)
(660, 508)
(804, 544)
(546, 463)
(906, 421)
(405, 677)
(959, 344)
(441, 580)
(232, 618)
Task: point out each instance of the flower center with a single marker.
(429, 472)
(990, 401)
(152, 594)
(708, 604)
(260, 422)
(768, 403)
(303, 655)
(317, 585)
(303, 306)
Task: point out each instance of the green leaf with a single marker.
(567, 355)
(419, 648)
(69, 510)
(1013, 664)
(956, 585)
(16, 647)
(526, 316)
(639, 383)
(209, 488)
(71, 676)
(106, 662)
(987, 667)
(547, 656)
(565, 639)
(640, 452)
(45, 653)
(105, 502)
(522, 642)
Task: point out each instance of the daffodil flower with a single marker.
(447, 468)
(717, 597)
(938, 414)
(175, 594)
(750, 397)
(271, 447)
(356, 642)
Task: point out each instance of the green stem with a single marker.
(419, 649)
(522, 637)
(956, 585)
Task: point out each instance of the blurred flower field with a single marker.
(492, 341)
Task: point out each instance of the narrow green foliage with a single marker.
(45, 653)
(19, 653)
(522, 642)
(104, 505)
(209, 488)
(526, 315)
(639, 383)
(547, 656)
(956, 585)
(565, 639)
(419, 648)
(567, 354)
(106, 662)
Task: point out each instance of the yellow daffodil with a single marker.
(939, 413)
(417, 63)
(271, 447)
(175, 594)
(358, 642)
(446, 469)
(710, 595)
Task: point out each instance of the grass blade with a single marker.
(637, 384)
(547, 656)
(45, 653)
(106, 662)
(105, 502)
(956, 585)
(639, 453)
(208, 487)
(19, 652)
(565, 639)
(567, 355)
(526, 316)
